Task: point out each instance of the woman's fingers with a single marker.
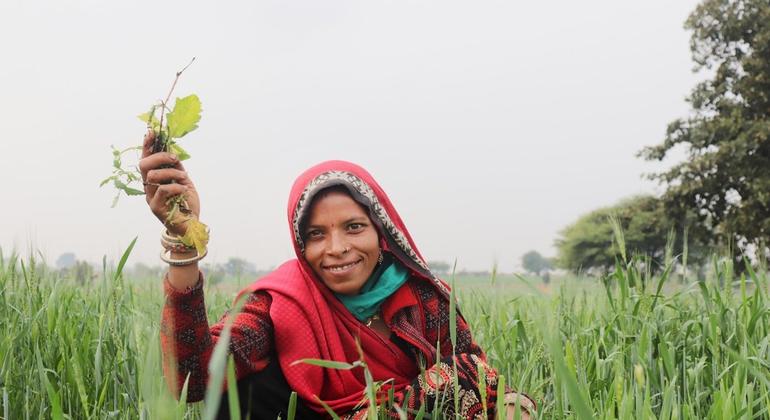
(166, 175)
(149, 141)
(157, 177)
(167, 191)
(157, 160)
(161, 196)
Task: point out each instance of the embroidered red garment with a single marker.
(415, 310)
(309, 322)
(306, 320)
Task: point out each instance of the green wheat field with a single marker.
(628, 345)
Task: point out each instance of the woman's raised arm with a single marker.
(164, 177)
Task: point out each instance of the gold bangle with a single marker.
(179, 263)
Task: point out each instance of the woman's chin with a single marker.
(343, 286)
(344, 289)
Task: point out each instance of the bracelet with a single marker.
(176, 247)
(173, 243)
(511, 398)
(166, 257)
(168, 237)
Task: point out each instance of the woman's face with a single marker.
(341, 243)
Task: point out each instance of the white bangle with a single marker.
(169, 237)
(166, 257)
(512, 398)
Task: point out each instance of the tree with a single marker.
(535, 263)
(588, 243)
(238, 267)
(65, 261)
(726, 177)
(144, 271)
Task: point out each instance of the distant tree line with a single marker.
(234, 267)
(69, 266)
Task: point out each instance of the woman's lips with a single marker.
(341, 268)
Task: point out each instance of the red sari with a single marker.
(309, 322)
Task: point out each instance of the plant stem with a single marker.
(164, 103)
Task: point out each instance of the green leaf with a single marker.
(119, 184)
(184, 117)
(53, 396)
(218, 365)
(125, 188)
(124, 258)
(232, 390)
(331, 364)
(574, 392)
(292, 406)
(197, 235)
(178, 151)
(328, 409)
(149, 118)
(128, 149)
(146, 117)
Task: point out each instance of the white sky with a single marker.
(491, 124)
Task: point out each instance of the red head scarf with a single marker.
(309, 322)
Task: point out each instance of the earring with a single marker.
(379, 258)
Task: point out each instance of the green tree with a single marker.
(65, 261)
(238, 267)
(82, 272)
(588, 243)
(725, 178)
(535, 263)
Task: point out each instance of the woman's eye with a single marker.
(355, 227)
(313, 234)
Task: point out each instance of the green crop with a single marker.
(632, 346)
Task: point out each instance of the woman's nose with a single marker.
(337, 244)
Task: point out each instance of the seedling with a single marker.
(169, 125)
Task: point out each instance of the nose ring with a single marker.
(346, 250)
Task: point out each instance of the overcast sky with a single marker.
(491, 124)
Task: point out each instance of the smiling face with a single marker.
(341, 243)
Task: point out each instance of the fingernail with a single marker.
(174, 157)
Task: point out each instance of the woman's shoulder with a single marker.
(427, 289)
(417, 292)
(284, 279)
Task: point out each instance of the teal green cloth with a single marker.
(385, 280)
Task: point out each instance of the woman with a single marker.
(358, 277)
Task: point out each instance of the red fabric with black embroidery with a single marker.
(416, 308)
(310, 323)
(305, 320)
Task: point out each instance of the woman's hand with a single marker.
(510, 413)
(164, 177)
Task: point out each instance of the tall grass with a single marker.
(629, 346)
